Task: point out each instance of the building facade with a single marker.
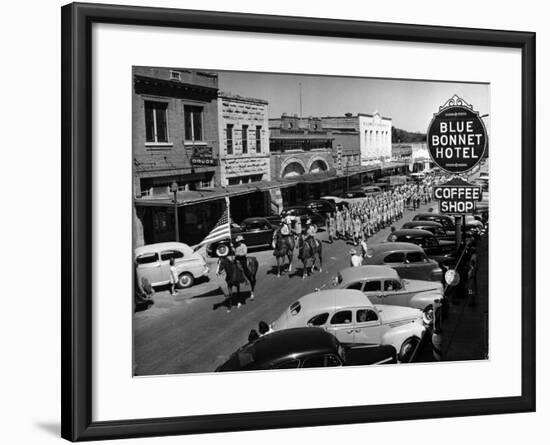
(373, 131)
(175, 141)
(244, 140)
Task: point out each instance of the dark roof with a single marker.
(431, 214)
(289, 341)
(421, 222)
(411, 232)
(387, 246)
(279, 344)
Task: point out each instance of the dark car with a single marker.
(257, 232)
(350, 194)
(431, 226)
(408, 259)
(441, 251)
(446, 221)
(372, 189)
(321, 206)
(309, 347)
(304, 213)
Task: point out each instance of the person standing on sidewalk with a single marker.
(173, 277)
(472, 276)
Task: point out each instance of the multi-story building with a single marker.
(373, 132)
(301, 150)
(244, 140)
(175, 145)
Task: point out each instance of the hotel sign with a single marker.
(456, 137)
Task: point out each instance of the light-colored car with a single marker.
(153, 262)
(352, 318)
(383, 285)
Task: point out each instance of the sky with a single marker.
(411, 104)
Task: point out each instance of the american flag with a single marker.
(221, 230)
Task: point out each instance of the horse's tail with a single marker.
(252, 263)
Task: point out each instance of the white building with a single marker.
(244, 140)
(374, 132)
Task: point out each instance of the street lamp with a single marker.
(174, 190)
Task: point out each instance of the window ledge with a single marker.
(194, 143)
(159, 145)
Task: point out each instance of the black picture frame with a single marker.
(77, 21)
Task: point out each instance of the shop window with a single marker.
(155, 121)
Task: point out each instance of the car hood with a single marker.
(393, 314)
(423, 286)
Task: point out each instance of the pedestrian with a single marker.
(472, 276)
(356, 230)
(355, 260)
(173, 277)
(240, 257)
(364, 247)
(331, 229)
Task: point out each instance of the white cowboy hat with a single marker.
(239, 239)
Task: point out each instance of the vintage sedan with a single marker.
(446, 221)
(409, 260)
(152, 261)
(431, 226)
(440, 250)
(352, 318)
(257, 232)
(304, 213)
(321, 206)
(305, 348)
(383, 285)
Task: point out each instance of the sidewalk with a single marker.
(465, 330)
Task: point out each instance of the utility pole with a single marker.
(300, 87)
(174, 190)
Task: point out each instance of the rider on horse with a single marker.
(240, 254)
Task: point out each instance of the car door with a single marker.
(148, 266)
(341, 325)
(367, 326)
(396, 260)
(418, 266)
(373, 290)
(394, 293)
(265, 233)
(250, 233)
(165, 257)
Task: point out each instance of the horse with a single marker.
(283, 246)
(310, 250)
(235, 276)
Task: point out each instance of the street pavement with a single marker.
(193, 332)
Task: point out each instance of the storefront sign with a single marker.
(457, 196)
(339, 164)
(203, 160)
(242, 166)
(457, 137)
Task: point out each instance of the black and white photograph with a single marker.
(288, 220)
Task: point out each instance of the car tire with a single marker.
(185, 280)
(428, 315)
(222, 250)
(407, 349)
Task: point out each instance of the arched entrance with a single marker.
(318, 166)
(293, 169)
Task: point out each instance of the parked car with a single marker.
(409, 260)
(257, 232)
(304, 213)
(350, 194)
(431, 226)
(304, 348)
(339, 203)
(442, 251)
(372, 189)
(351, 317)
(153, 262)
(321, 206)
(383, 285)
(446, 221)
